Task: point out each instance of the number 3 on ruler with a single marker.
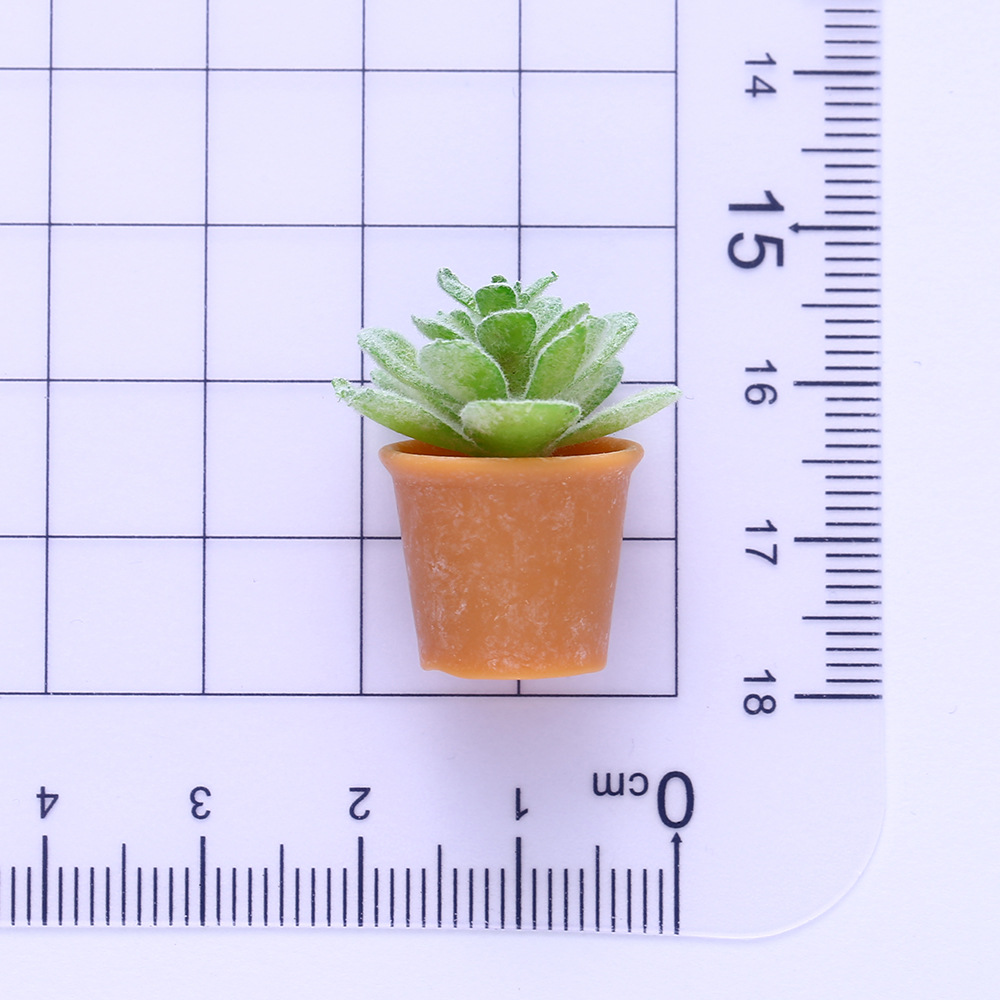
(198, 809)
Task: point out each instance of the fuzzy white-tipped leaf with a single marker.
(561, 322)
(536, 288)
(514, 428)
(436, 329)
(447, 326)
(545, 310)
(557, 364)
(507, 336)
(463, 370)
(390, 349)
(607, 339)
(493, 298)
(404, 415)
(591, 391)
(621, 415)
(450, 285)
(398, 357)
(383, 380)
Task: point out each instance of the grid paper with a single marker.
(200, 204)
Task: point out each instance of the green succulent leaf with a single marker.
(463, 370)
(398, 357)
(462, 322)
(384, 380)
(450, 285)
(545, 309)
(449, 414)
(536, 288)
(621, 415)
(606, 340)
(565, 320)
(493, 298)
(589, 392)
(403, 415)
(508, 336)
(557, 364)
(390, 349)
(436, 329)
(447, 326)
(514, 428)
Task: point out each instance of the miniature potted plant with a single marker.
(511, 497)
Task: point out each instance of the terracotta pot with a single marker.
(512, 562)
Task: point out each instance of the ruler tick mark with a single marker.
(597, 888)
(361, 883)
(45, 880)
(840, 697)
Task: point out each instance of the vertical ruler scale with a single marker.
(850, 385)
(780, 448)
(202, 734)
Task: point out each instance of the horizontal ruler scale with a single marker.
(285, 894)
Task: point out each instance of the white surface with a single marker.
(921, 923)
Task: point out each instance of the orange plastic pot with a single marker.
(512, 562)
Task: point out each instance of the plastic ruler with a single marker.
(738, 792)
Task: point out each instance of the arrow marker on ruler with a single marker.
(798, 228)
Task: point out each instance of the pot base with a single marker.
(526, 672)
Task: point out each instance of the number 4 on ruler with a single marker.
(46, 800)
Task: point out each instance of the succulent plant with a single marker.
(510, 373)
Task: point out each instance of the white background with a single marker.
(922, 922)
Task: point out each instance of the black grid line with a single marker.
(205, 357)
(99, 536)
(361, 360)
(520, 160)
(676, 333)
(48, 364)
(338, 225)
(97, 380)
(520, 138)
(355, 70)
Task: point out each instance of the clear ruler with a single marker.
(725, 775)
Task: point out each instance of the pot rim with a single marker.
(614, 449)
